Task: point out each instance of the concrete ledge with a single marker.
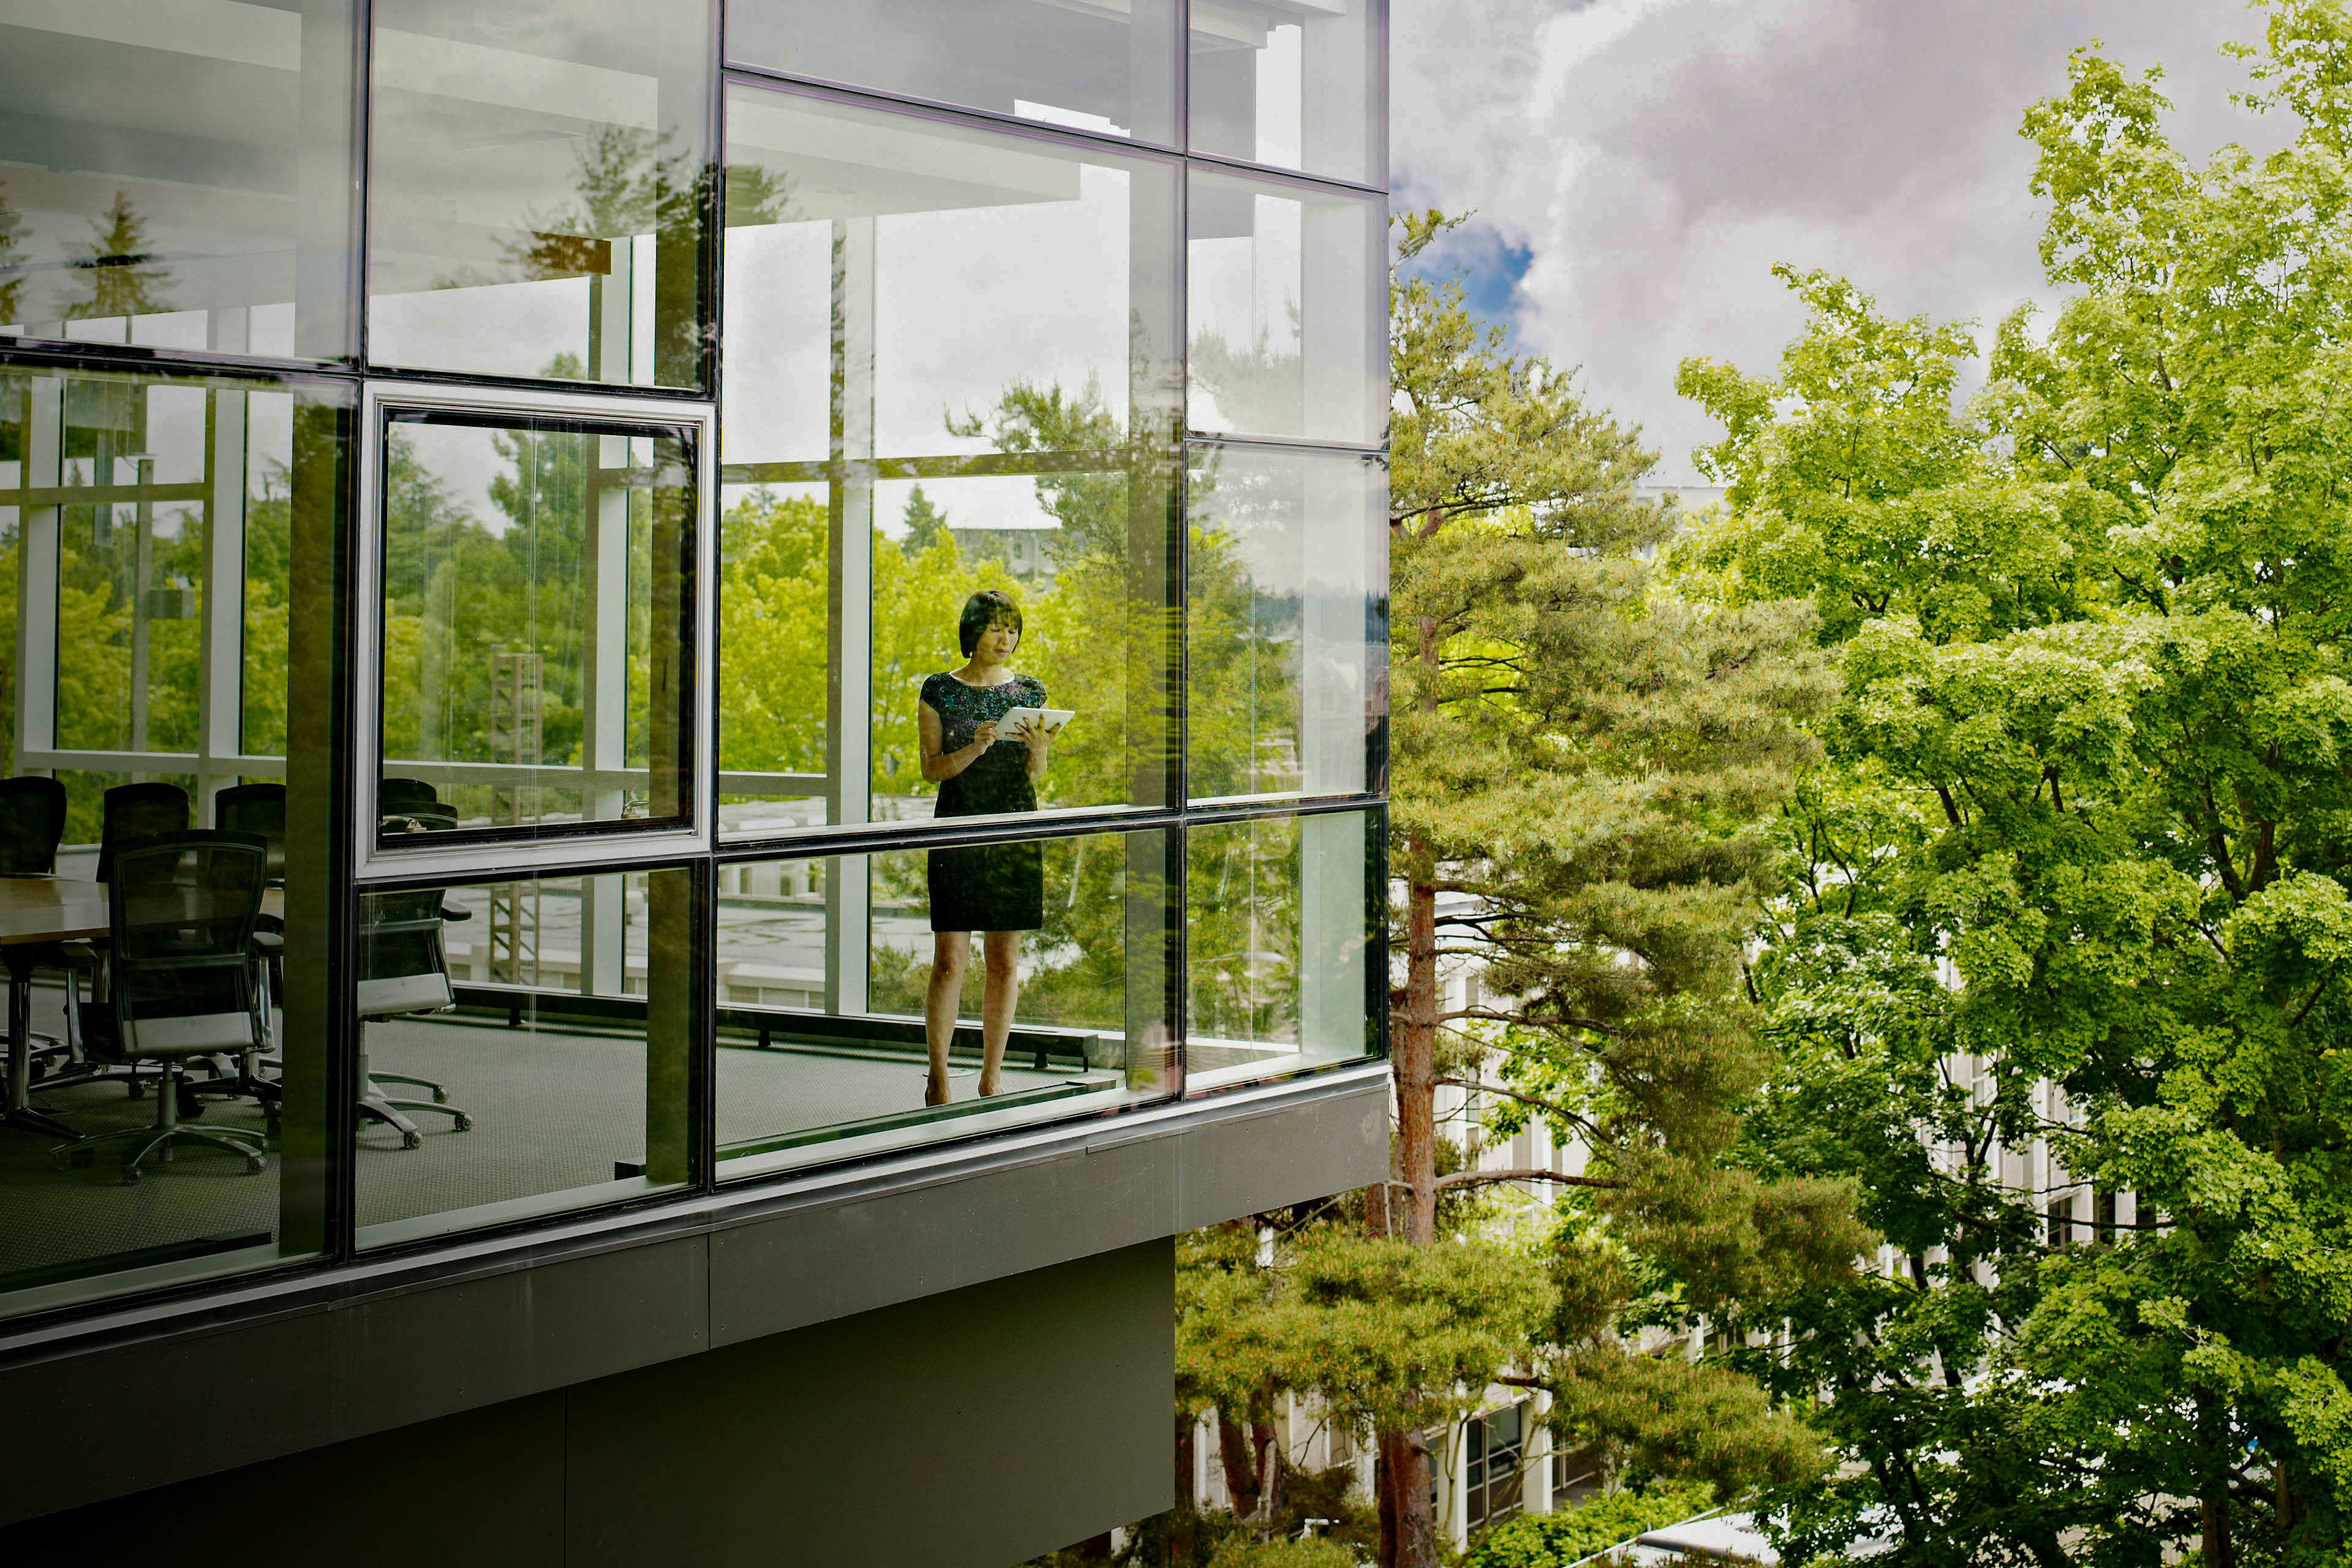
(282, 1365)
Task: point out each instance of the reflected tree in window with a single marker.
(121, 275)
(11, 279)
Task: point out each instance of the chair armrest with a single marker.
(269, 942)
(452, 913)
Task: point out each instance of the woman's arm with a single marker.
(939, 766)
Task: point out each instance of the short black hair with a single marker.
(989, 608)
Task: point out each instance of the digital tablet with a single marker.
(1051, 719)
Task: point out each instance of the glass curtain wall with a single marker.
(538, 182)
(979, 723)
(164, 641)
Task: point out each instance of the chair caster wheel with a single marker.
(130, 1177)
(463, 1123)
(83, 1159)
(440, 1097)
(412, 1140)
(134, 1088)
(253, 1165)
(191, 1107)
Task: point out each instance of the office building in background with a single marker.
(483, 487)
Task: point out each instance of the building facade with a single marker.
(490, 494)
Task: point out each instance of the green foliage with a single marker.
(1240, 1553)
(1571, 1535)
(2077, 866)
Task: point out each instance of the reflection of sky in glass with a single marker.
(1003, 501)
(1244, 285)
(975, 299)
(995, 263)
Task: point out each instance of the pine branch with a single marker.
(1480, 1178)
(1560, 1110)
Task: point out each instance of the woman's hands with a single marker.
(1036, 737)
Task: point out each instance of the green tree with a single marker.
(926, 524)
(1583, 762)
(2077, 867)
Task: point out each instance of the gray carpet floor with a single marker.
(552, 1112)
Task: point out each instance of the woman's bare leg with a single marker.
(951, 950)
(1002, 952)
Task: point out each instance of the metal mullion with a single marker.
(766, 76)
(890, 837)
(1300, 444)
(1275, 173)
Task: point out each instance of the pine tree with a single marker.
(1582, 766)
(926, 524)
(121, 273)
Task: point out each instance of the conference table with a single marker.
(36, 910)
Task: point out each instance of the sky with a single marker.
(1637, 166)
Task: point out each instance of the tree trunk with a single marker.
(1413, 1059)
(2213, 1497)
(1234, 1452)
(1408, 1522)
(1179, 1527)
(1269, 1471)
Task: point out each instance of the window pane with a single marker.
(1293, 83)
(539, 177)
(181, 181)
(536, 597)
(1109, 69)
(1288, 312)
(950, 369)
(1277, 942)
(828, 968)
(525, 1049)
(1287, 643)
(132, 687)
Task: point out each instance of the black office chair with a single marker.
(259, 810)
(32, 824)
(397, 797)
(181, 914)
(404, 968)
(138, 811)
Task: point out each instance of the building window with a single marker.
(1108, 69)
(1287, 308)
(1575, 1475)
(539, 1031)
(1493, 1446)
(1297, 86)
(1286, 639)
(951, 370)
(169, 665)
(178, 182)
(537, 190)
(530, 575)
(836, 1017)
(1276, 948)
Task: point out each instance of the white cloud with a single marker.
(1655, 157)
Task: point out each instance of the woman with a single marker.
(997, 890)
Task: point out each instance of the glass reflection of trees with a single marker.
(1241, 931)
(459, 595)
